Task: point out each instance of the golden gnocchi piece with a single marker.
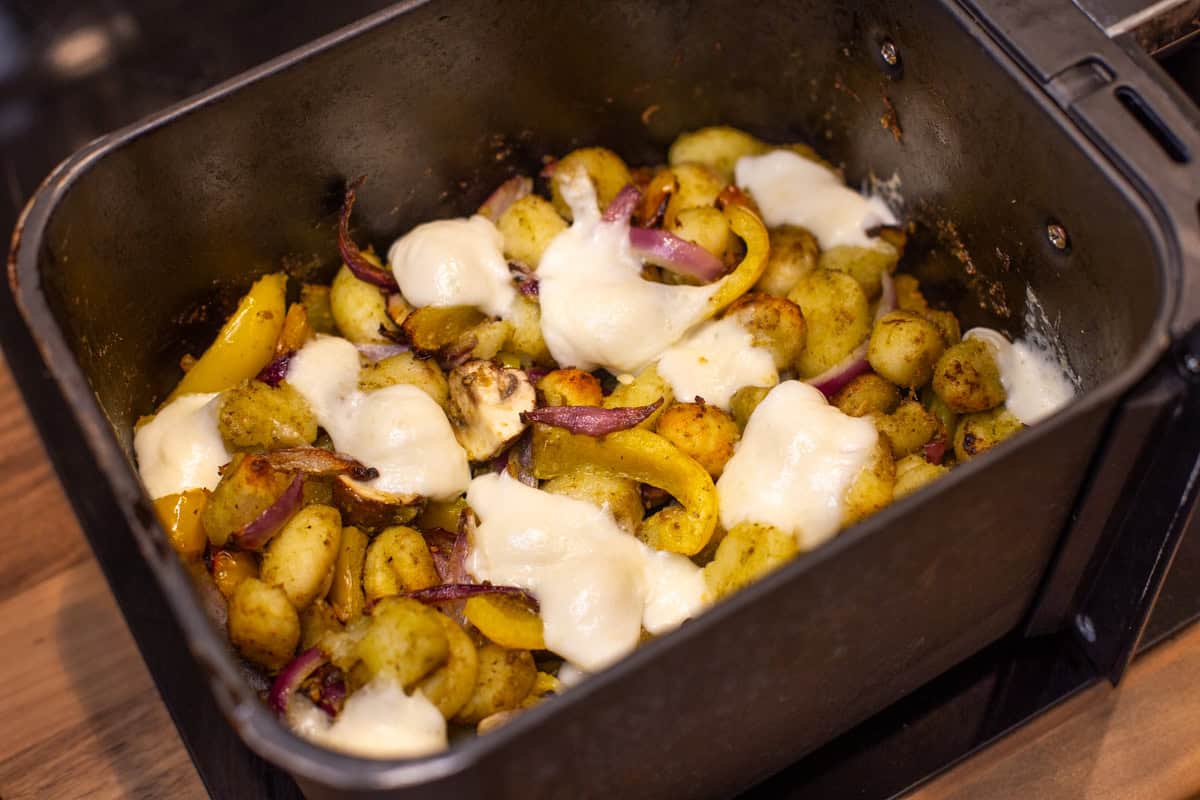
(248, 487)
(743, 403)
(300, 558)
(505, 679)
(451, 685)
(705, 226)
(913, 472)
(718, 147)
(980, 432)
(904, 348)
(701, 431)
(643, 390)
(359, 309)
(406, 368)
(255, 416)
(907, 428)
(528, 226)
(838, 317)
(872, 490)
(398, 561)
(794, 254)
(967, 379)
(570, 387)
(616, 495)
(263, 624)
(867, 265)
(775, 323)
(404, 639)
(747, 553)
(605, 168)
(867, 394)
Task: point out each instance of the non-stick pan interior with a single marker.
(152, 244)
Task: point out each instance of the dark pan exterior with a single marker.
(135, 248)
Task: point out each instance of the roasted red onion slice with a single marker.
(363, 270)
(378, 352)
(622, 206)
(290, 678)
(833, 379)
(253, 535)
(451, 592)
(523, 450)
(935, 451)
(527, 282)
(678, 255)
(505, 195)
(441, 544)
(319, 461)
(333, 694)
(274, 372)
(591, 420)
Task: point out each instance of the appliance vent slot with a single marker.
(1153, 124)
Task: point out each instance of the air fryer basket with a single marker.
(135, 248)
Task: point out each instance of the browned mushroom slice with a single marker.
(486, 404)
(367, 507)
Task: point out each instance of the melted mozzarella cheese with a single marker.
(597, 586)
(399, 430)
(597, 309)
(1035, 383)
(794, 463)
(378, 721)
(454, 262)
(792, 190)
(714, 361)
(181, 448)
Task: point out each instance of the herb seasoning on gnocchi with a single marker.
(447, 486)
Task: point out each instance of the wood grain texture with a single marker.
(79, 715)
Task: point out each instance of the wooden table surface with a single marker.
(79, 715)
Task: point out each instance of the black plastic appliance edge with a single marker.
(1157, 406)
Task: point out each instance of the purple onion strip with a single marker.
(678, 255)
(363, 269)
(290, 678)
(253, 535)
(378, 352)
(591, 420)
(622, 206)
(505, 195)
(451, 592)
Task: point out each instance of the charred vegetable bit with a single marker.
(319, 461)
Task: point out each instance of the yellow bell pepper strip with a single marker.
(230, 568)
(180, 516)
(246, 342)
(647, 458)
(507, 621)
(346, 592)
(745, 224)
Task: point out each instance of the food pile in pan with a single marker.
(499, 456)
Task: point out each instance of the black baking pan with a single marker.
(134, 249)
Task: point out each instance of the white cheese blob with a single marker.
(378, 721)
(1035, 383)
(792, 190)
(596, 585)
(597, 309)
(454, 262)
(794, 463)
(714, 361)
(181, 448)
(399, 430)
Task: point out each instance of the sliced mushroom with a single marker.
(486, 403)
(366, 507)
